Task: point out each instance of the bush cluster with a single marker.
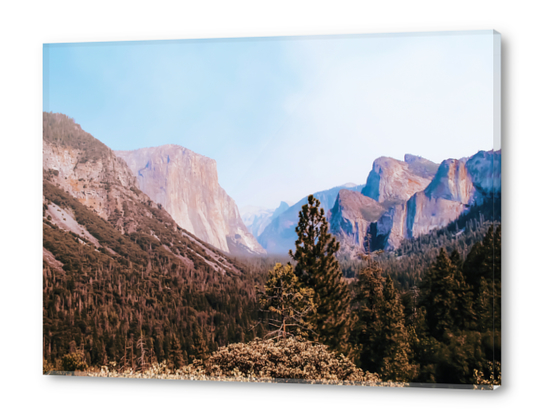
(285, 360)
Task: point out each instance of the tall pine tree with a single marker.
(464, 316)
(439, 296)
(317, 268)
(482, 271)
(380, 332)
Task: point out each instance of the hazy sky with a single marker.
(283, 117)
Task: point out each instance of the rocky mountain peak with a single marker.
(485, 171)
(283, 206)
(353, 204)
(392, 181)
(351, 217)
(452, 182)
(415, 197)
(84, 167)
(256, 219)
(279, 236)
(186, 184)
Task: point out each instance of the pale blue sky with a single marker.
(283, 117)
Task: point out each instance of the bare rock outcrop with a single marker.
(392, 181)
(457, 185)
(359, 223)
(186, 184)
(85, 182)
(416, 196)
(485, 171)
(88, 170)
(351, 217)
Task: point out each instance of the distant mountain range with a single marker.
(400, 200)
(256, 219)
(403, 200)
(279, 236)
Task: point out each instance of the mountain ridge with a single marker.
(279, 236)
(456, 186)
(186, 184)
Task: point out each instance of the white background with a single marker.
(25, 26)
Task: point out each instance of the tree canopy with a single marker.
(317, 267)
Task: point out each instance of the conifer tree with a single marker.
(464, 316)
(289, 301)
(176, 359)
(318, 269)
(397, 352)
(482, 270)
(199, 349)
(369, 324)
(380, 327)
(438, 296)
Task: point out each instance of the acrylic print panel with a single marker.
(286, 209)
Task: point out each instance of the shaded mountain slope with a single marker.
(117, 268)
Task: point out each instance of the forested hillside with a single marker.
(158, 284)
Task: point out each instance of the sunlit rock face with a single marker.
(485, 171)
(457, 185)
(87, 169)
(350, 219)
(448, 195)
(452, 182)
(392, 181)
(416, 196)
(360, 224)
(186, 184)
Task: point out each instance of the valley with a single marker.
(146, 258)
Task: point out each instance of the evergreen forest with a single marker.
(428, 312)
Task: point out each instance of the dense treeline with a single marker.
(62, 131)
(444, 331)
(134, 289)
(132, 300)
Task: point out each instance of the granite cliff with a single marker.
(91, 194)
(186, 184)
(416, 196)
(351, 218)
(392, 181)
(88, 170)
